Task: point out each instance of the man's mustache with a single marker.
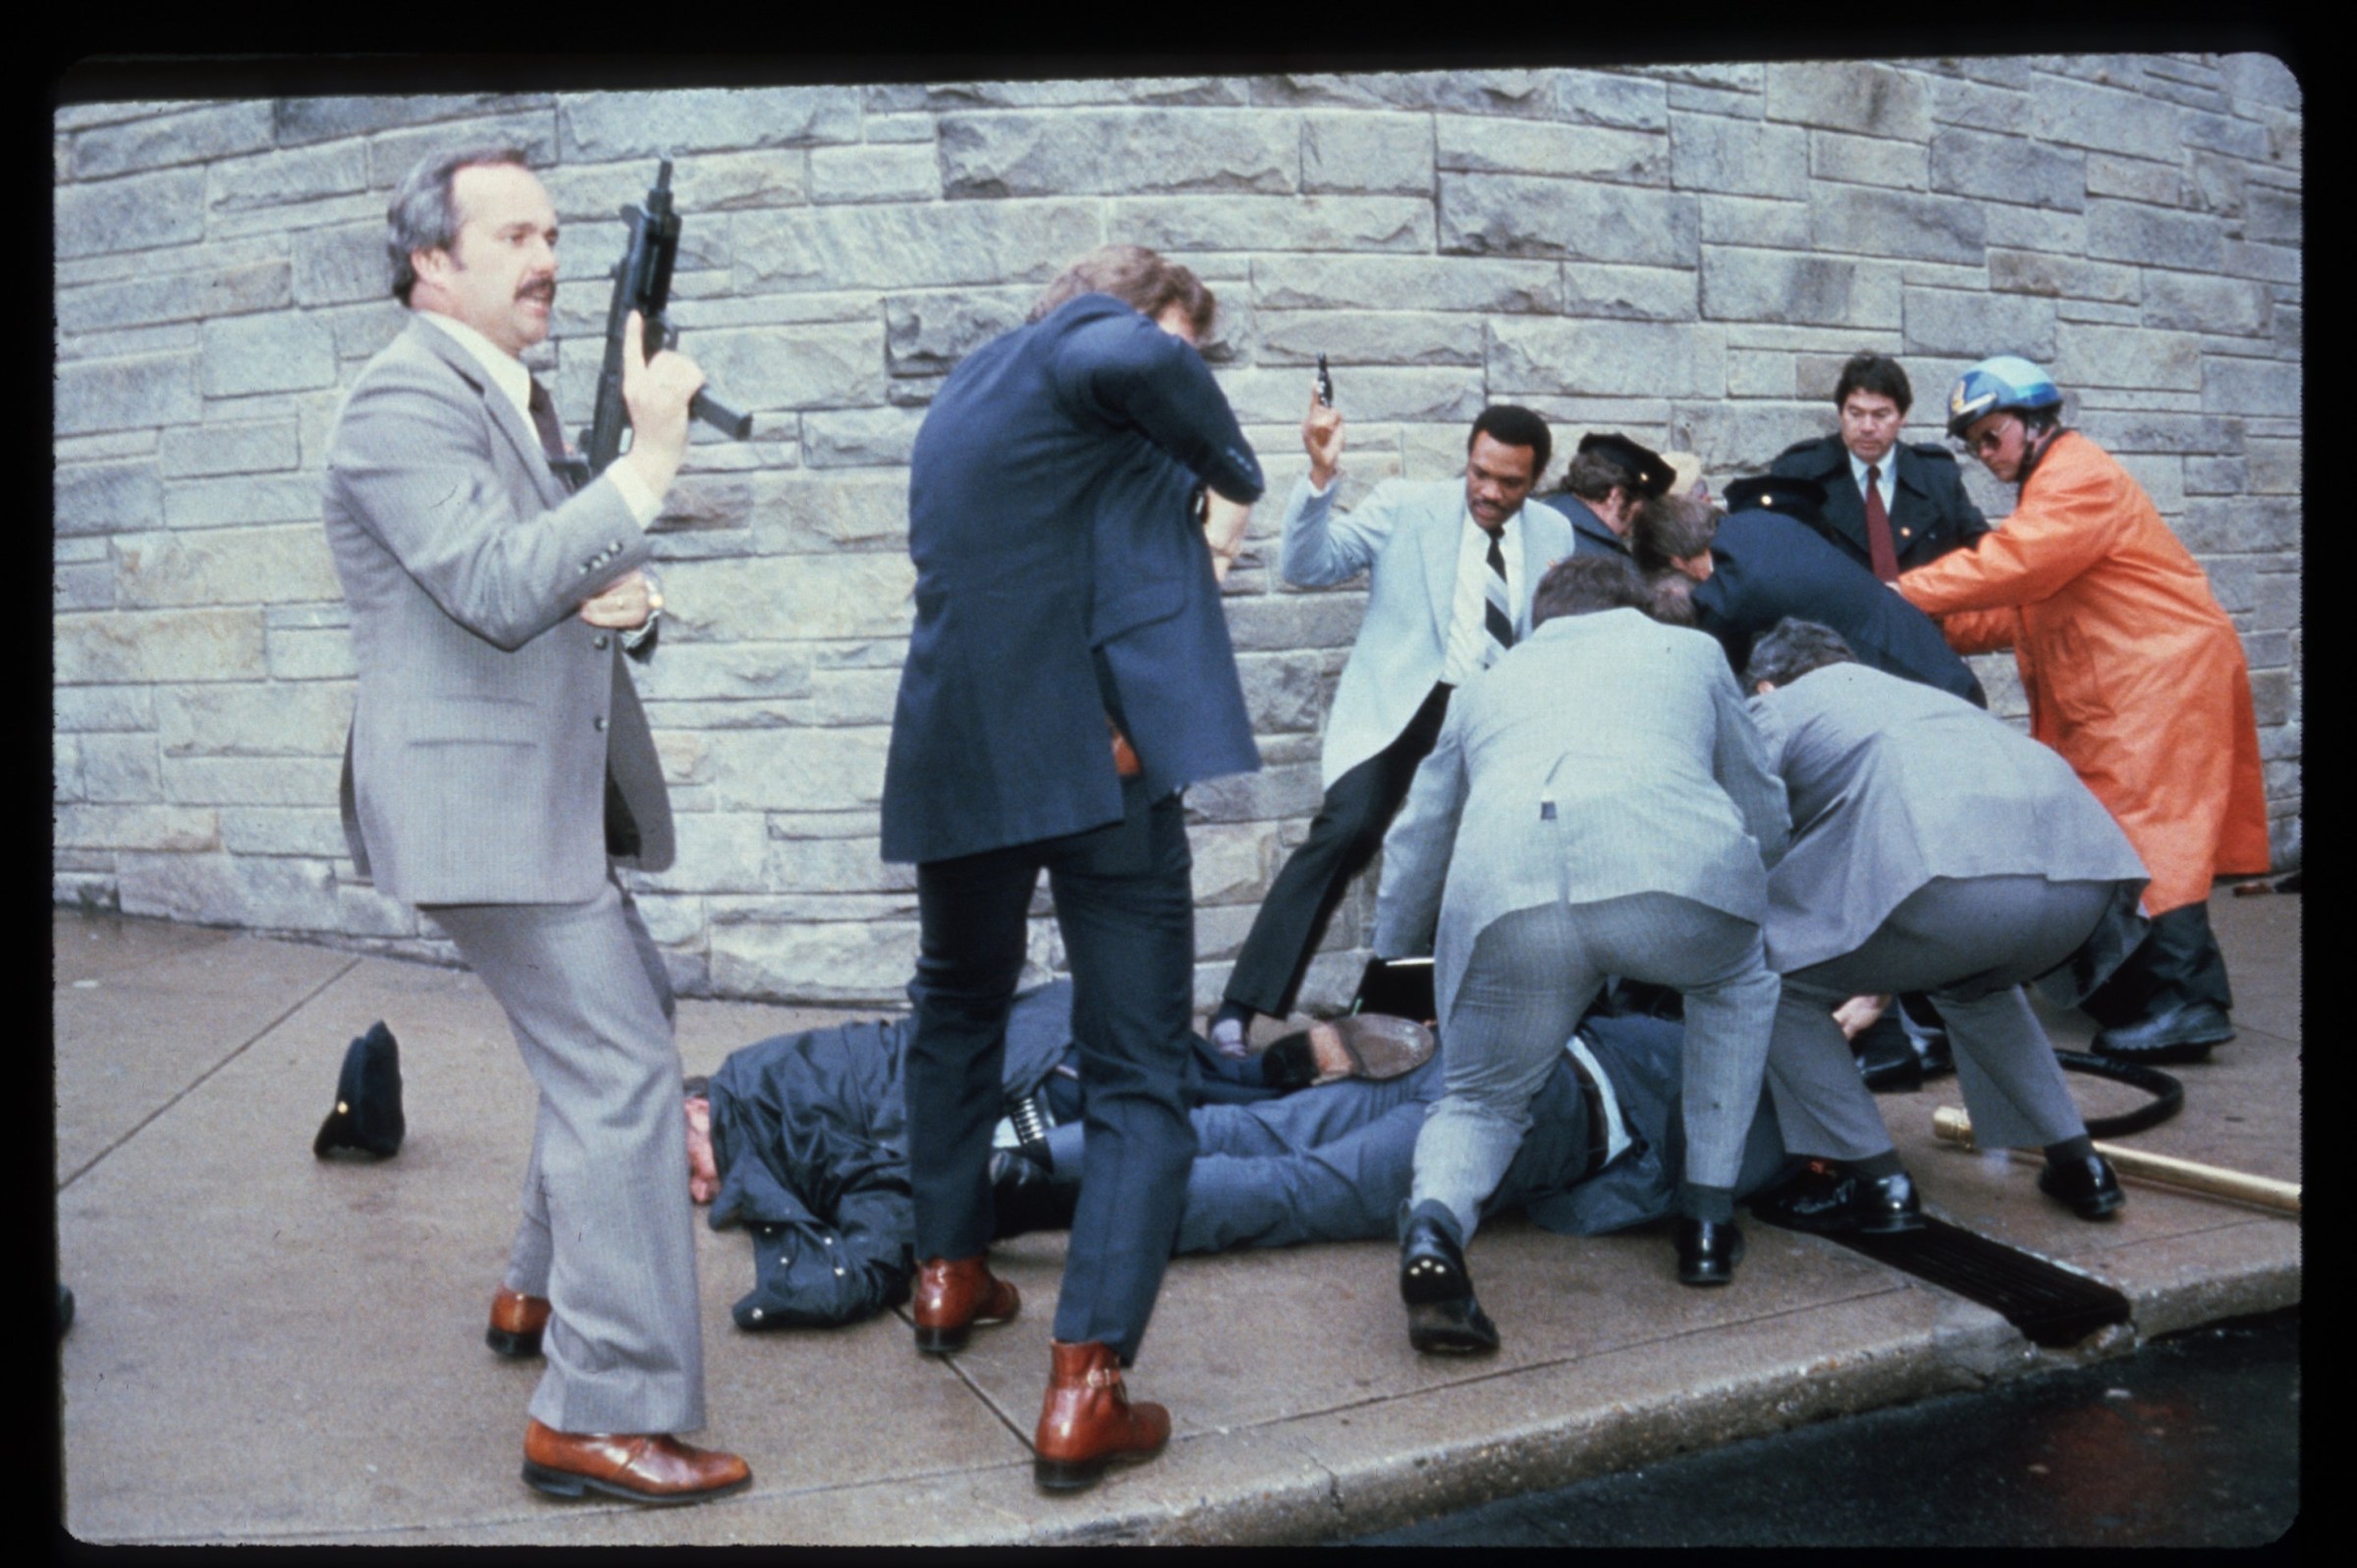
(543, 289)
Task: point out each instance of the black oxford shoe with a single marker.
(1443, 1315)
(2181, 1033)
(1886, 1058)
(1826, 1199)
(1707, 1251)
(2086, 1187)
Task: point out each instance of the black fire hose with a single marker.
(2168, 1095)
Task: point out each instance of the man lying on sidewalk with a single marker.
(800, 1139)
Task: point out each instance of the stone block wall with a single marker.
(1687, 253)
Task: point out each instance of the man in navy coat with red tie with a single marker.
(1889, 505)
(1069, 673)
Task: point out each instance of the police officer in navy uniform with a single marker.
(1744, 572)
(1917, 510)
(1608, 478)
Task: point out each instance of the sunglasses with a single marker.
(1989, 440)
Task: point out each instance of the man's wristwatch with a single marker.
(646, 629)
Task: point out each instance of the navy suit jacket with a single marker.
(1766, 566)
(1930, 513)
(1061, 580)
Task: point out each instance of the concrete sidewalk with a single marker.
(270, 1348)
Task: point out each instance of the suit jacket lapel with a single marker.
(1440, 544)
(1545, 540)
(1909, 494)
(505, 416)
(1845, 504)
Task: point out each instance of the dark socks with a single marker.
(1433, 1209)
(1713, 1204)
(2081, 1148)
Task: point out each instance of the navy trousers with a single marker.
(1125, 903)
(1342, 838)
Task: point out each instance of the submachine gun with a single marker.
(642, 283)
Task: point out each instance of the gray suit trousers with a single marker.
(1972, 943)
(1534, 972)
(608, 1233)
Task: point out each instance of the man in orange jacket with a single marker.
(2134, 675)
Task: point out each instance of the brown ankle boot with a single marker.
(953, 1297)
(1088, 1422)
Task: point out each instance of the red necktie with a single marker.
(1879, 547)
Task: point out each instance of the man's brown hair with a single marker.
(1672, 528)
(1580, 585)
(1143, 280)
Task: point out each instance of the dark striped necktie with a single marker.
(1498, 616)
(567, 467)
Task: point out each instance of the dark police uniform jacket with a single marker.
(1063, 579)
(1930, 513)
(1764, 567)
(1590, 535)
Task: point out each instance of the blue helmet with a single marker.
(2004, 382)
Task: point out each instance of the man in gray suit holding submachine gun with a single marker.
(499, 766)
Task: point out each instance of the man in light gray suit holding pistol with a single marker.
(1933, 849)
(1452, 568)
(1596, 805)
(499, 764)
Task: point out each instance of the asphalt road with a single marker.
(2194, 1441)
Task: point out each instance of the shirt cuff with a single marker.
(643, 503)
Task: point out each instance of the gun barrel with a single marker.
(720, 416)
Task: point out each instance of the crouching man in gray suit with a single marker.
(1596, 805)
(1933, 849)
(497, 765)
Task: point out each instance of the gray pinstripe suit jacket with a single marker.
(1894, 784)
(1605, 755)
(488, 715)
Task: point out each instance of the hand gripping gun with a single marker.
(642, 283)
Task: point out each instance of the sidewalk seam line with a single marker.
(198, 1081)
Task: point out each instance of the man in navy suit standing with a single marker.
(1890, 506)
(1068, 673)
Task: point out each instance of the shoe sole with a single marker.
(942, 1342)
(1431, 1282)
(1382, 1048)
(1078, 1475)
(513, 1346)
(1888, 1226)
(2179, 1052)
(572, 1487)
(1440, 1336)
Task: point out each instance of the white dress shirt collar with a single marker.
(1886, 480)
(507, 372)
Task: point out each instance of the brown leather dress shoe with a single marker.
(953, 1297)
(516, 1321)
(1088, 1422)
(641, 1467)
